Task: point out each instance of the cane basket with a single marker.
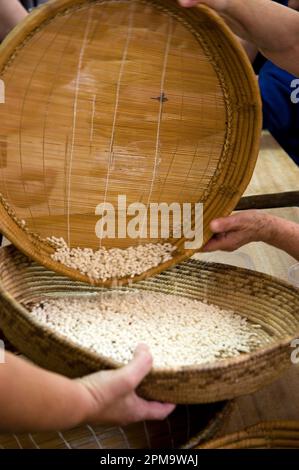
(103, 98)
(264, 300)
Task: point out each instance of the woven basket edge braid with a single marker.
(213, 428)
(270, 434)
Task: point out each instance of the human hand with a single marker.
(11, 13)
(236, 13)
(294, 4)
(239, 229)
(218, 5)
(111, 395)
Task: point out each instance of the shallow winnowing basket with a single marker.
(139, 98)
(264, 300)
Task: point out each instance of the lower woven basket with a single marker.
(264, 300)
(186, 427)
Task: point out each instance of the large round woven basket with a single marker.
(186, 427)
(140, 98)
(264, 300)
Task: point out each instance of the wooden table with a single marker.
(274, 172)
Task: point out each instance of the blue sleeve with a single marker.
(281, 115)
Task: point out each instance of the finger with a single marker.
(130, 376)
(188, 3)
(152, 410)
(226, 224)
(224, 242)
(214, 244)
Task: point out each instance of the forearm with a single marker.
(282, 234)
(250, 49)
(11, 13)
(273, 28)
(33, 399)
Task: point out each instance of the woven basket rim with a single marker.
(41, 16)
(265, 432)
(219, 364)
(216, 422)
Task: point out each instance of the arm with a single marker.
(250, 49)
(251, 226)
(285, 235)
(273, 28)
(33, 399)
(11, 13)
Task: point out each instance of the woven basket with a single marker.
(264, 300)
(140, 98)
(186, 427)
(268, 435)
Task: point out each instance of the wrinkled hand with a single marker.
(112, 397)
(11, 13)
(230, 10)
(239, 229)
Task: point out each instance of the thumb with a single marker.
(225, 224)
(118, 382)
(188, 3)
(127, 378)
(133, 373)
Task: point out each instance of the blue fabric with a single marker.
(281, 116)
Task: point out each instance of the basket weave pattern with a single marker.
(87, 122)
(262, 299)
(267, 435)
